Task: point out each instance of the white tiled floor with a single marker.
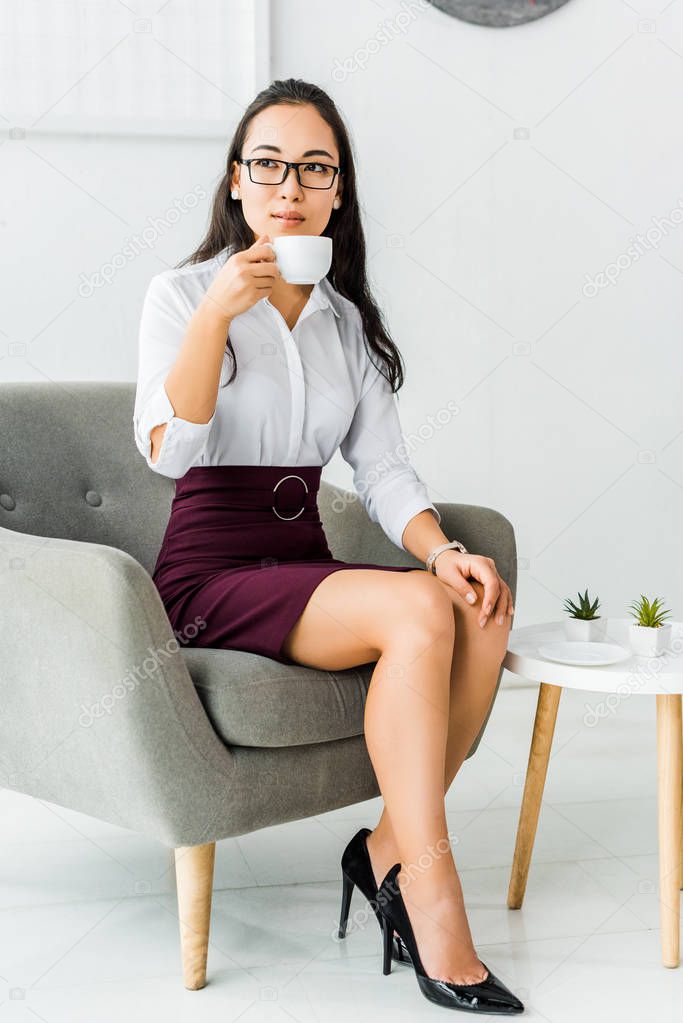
(88, 928)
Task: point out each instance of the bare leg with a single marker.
(407, 625)
(477, 656)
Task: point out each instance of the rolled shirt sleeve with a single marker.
(164, 320)
(391, 491)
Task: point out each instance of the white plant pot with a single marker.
(584, 630)
(648, 642)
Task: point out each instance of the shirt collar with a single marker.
(324, 296)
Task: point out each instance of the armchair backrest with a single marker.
(70, 468)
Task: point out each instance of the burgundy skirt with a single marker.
(242, 553)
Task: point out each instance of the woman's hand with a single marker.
(243, 279)
(455, 569)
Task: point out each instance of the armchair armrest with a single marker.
(100, 713)
(353, 537)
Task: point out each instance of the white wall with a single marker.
(571, 418)
(521, 163)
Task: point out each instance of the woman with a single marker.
(247, 382)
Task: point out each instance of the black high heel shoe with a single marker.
(357, 870)
(488, 996)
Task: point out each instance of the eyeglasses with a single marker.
(264, 171)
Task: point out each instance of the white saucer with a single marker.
(587, 654)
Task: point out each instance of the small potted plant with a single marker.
(583, 623)
(649, 635)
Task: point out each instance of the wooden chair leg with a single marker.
(194, 880)
(539, 754)
(669, 768)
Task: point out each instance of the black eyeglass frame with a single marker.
(288, 164)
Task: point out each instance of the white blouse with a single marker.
(298, 395)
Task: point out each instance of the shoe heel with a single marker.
(347, 892)
(387, 940)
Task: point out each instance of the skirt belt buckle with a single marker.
(290, 477)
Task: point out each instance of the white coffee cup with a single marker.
(303, 258)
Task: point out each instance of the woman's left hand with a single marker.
(455, 568)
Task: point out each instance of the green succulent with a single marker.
(648, 614)
(585, 610)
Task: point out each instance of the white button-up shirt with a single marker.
(298, 395)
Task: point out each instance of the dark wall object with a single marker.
(498, 13)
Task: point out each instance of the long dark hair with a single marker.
(228, 228)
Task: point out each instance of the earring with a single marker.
(337, 203)
(234, 194)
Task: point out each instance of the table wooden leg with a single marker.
(669, 769)
(539, 754)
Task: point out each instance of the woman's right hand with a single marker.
(244, 278)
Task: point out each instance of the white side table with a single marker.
(661, 677)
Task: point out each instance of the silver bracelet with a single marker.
(430, 563)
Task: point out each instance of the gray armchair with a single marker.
(102, 711)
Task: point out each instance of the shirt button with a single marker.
(93, 498)
(7, 502)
